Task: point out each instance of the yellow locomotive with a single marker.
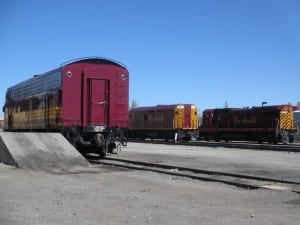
(175, 122)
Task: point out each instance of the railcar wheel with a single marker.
(124, 141)
(117, 148)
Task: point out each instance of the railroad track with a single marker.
(241, 145)
(244, 181)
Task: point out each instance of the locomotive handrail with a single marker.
(277, 127)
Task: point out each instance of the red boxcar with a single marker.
(85, 99)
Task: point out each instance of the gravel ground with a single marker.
(112, 196)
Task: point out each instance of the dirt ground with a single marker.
(111, 196)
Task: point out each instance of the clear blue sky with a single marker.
(186, 51)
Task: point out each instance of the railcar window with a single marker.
(145, 117)
(24, 106)
(59, 96)
(7, 96)
(35, 103)
(36, 85)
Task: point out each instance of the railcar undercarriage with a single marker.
(100, 140)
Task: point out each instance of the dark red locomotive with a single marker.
(263, 124)
(85, 99)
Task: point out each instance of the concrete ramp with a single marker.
(40, 151)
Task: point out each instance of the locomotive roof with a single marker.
(279, 107)
(158, 107)
(269, 107)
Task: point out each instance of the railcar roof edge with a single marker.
(89, 59)
(35, 76)
(77, 60)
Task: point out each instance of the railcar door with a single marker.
(98, 109)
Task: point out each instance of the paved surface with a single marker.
(277, 165)
(40, 151)
(115, 196)
(119, 197)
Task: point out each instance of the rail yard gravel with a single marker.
(118, 196)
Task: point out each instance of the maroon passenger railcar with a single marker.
(85, 99)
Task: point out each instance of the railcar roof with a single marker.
(94, 60)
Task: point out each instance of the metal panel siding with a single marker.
(296, 120)
(71, 96)
(152, 118)
(194, 117)
(76, 94)
(162, 119)
(119, 94)
(187, 116)
(286, 117)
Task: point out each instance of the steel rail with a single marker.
(240, 145)
(238, 180)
